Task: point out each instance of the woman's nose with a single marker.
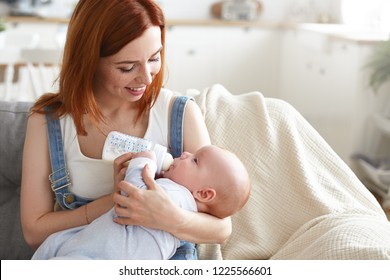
(145, 76)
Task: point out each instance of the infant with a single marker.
(211, 180)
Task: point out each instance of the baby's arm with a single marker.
(147, 154)
(136, 165)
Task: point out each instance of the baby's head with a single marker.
(217, 179)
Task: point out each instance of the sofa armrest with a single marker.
(13, 120)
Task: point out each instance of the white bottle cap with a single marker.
(168, 160)
(164, 159)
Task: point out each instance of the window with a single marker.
(369, 14)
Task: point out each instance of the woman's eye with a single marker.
(155, 59)
(127, 69)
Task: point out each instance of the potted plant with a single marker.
(2, 28)
(379, 64)
(2, 25)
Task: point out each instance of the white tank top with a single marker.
(93, 178)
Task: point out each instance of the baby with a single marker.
(211, 180)
(216, 178)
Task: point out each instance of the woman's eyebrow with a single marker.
(132, 62)
(159, 50)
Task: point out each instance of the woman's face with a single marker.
(126, 74)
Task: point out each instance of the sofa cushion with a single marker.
(13, 119)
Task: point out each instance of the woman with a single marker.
(111, 79)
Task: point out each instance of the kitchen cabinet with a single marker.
(190, 59)
(319, 79)
(242, 59)
(324, 78)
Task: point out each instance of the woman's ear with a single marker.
(205, 195)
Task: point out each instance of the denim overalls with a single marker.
(60, 179)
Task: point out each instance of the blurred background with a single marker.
(318, 55)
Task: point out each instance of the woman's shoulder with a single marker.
(36, 120)
(36, 132)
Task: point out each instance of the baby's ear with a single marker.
(206, 194)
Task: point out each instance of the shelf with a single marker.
(169, 22)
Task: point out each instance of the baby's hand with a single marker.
(148, 154)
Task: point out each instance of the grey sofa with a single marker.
(13, 118)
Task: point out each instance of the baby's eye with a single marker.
(195, 160)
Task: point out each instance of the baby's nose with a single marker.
(184, 155)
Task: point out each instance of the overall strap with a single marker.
(59, 178)
(187, 250)
(176, 125)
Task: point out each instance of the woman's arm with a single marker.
(37, 198)
(195, 132)
(153, 208)
(197, 225)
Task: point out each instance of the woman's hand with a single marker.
(150, 208)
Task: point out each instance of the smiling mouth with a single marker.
(136, 91)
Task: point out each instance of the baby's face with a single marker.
(196, 170)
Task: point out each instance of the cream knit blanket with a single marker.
(305, 203)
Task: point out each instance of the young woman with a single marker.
(111, 79)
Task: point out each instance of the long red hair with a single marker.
(100, 28)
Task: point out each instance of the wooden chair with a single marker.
(26, 75)
(43, 68)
